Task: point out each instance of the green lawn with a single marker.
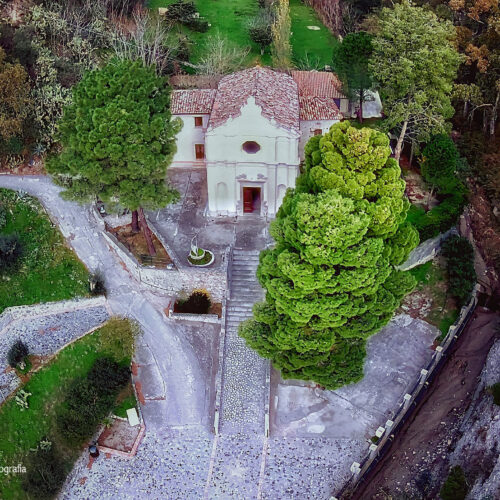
(230, 18)
(48, 270)
(317, 46)
(126, 400)
(21, 431)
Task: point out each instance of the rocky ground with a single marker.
(478, 449)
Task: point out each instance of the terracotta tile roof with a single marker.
(194, 101)
(318, 108)
(318, 84)
(276, 93)
(194, 81)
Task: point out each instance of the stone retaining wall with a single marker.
(16, 313)
(387, 432)
(199, 318)
(426, 251)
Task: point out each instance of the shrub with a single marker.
(197, 24)
(455, 486)
(96, 284)
(45, 473)
(198, 303)
(181, 12)
(12, 146)
(10, 250)
(21, 399)
(117, 339)
(108, 376)
(495, 392)
(440, 218)
(460, 265)
(23, 47)
(3, 217)
(18, 351)
(440, 157)
(88, 400)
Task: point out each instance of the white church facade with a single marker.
(249, 132)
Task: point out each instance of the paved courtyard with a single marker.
(395, 357)
(180, 222)
(315, 435)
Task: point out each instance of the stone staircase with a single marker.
(244, 371)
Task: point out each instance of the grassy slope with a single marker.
(48, 270)
(432, 281)
(230, 18)
(22, 430)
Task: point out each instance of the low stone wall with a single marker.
(387, 432)
(426, 251)
(118, 220)
(46, 329)
(16, 313)
(200, 318)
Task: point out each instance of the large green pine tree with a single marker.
(331, 279)
(118, 138)
(351, 63)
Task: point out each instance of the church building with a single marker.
(249, 129)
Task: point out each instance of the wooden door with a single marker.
(200, 151)
(247, 200)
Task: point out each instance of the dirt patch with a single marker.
(120, 436)
(216, 308)
(36, 363)
(140, 395)
(136, 244)
(417, 190)
(417, 462)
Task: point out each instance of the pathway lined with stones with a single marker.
(240, 452)
(244, 371)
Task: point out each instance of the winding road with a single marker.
(177, 365)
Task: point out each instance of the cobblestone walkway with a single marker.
(244, 371)
(171, 465)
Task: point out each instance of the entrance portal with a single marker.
(251, 200)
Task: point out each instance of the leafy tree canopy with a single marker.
(439, 162)
(331, 279)
(14, 97)
(414, 64)
(118, 138)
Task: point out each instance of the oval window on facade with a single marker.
(251, 147)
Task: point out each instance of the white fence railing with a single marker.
(386, 433)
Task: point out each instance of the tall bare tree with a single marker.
(221, 56)
(150, 42)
